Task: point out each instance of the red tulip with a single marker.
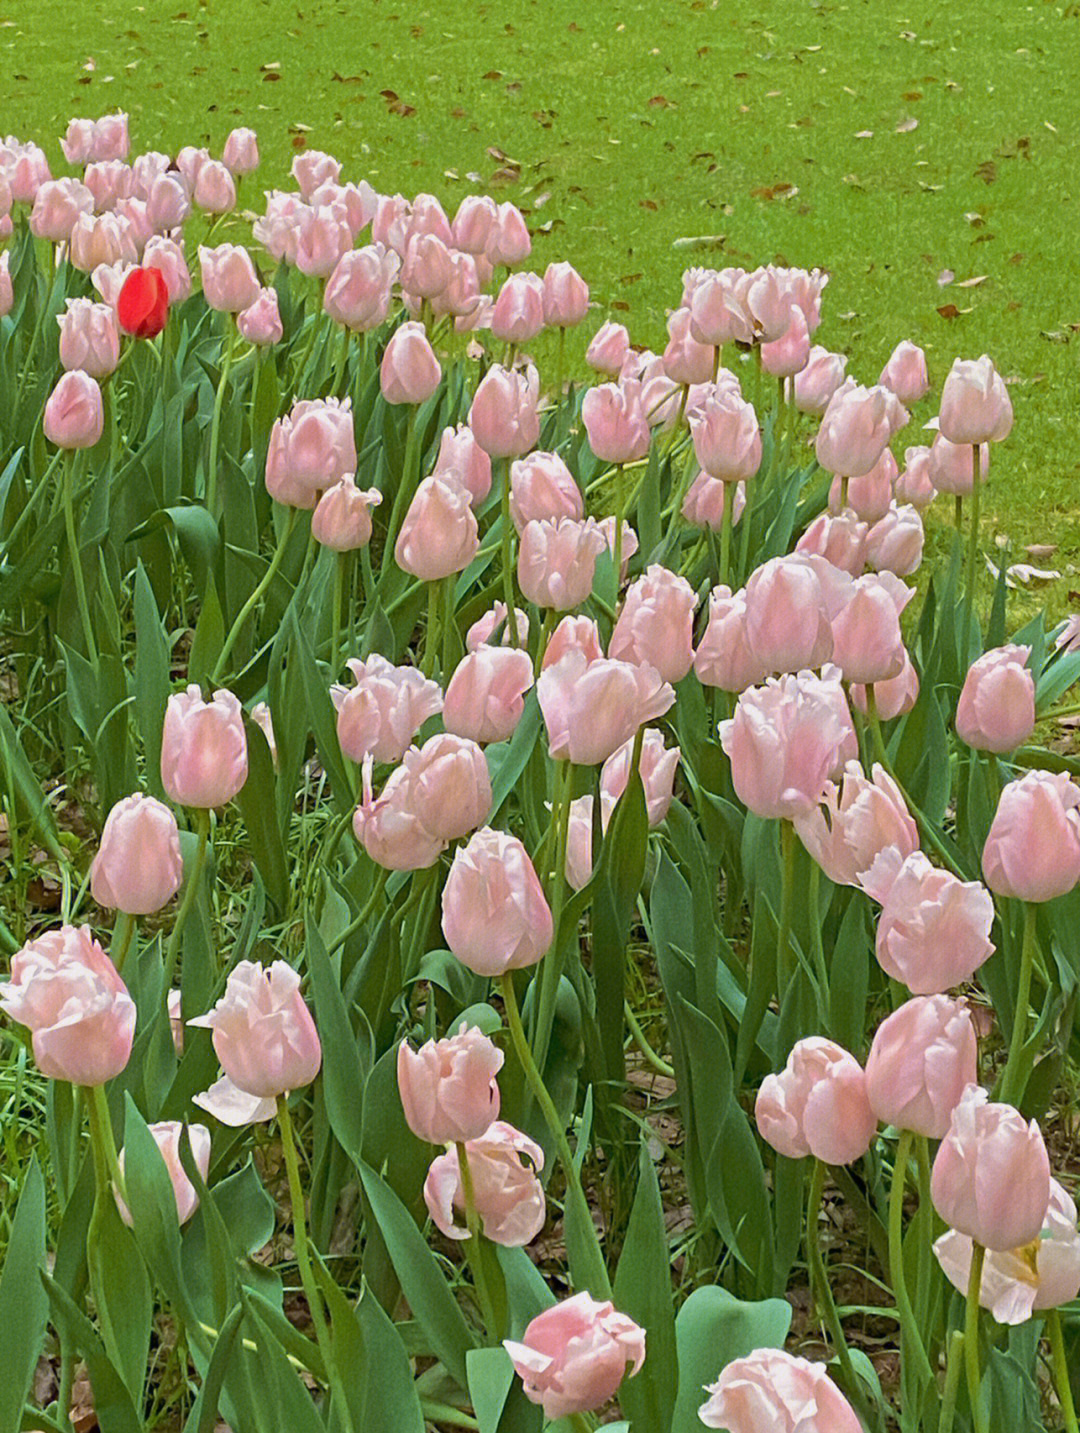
(142, 308)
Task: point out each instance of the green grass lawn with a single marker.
(782, 130)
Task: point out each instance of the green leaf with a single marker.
(24, 1305)
(22, 787)
(342, 1072)
(152, 1204)
(197, 533)
(391, 1401)
(151, 678)
(714, 1328)
(121, 1290)
(203, 1417)
(257, 800)
(616, 887)
(112, 1402)
(491, 1375)
(209, 637)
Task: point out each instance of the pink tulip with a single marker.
(109, 181)
(109, 279)
(89, 338)
(856, 428)
(573, 1357)
(817, 1105)
(717, 312)
(686, 360)
(410, 372)
(390, 223)
(508, 242)
(703, 505)
(25, 168)
(461, 459)
(310, 449)
(167, 204)
(263, 1032)
(905, 373)
(724, 658)
(509, 1196)
(67, 992)
(840, 540)
(476, 216)
(1032, 849)
(359, 289)
(771, 1391)
(215, 188)
(819, 380)
(312, 167)
(203, 749)
(518, 315)
(573, 634)
(609, 348)
(147, 167)
(461, 296)
(615, 422)
(449, 785)
(892, 698)
(856, 822)
(495, 916)
(342, 516)
(591, 708)
(656, 624)
(996, 711)
(503, 415)
(787, 615)
(975, 405)
(324, 237)
(439, 534)
(230, 283)
(629, 543)
(784, 743)
(656, 768)
(788, 355)
(389, 827)
(168, 256)
(241, 152)
(189, 161)
(869, 495)
(768, 298)
(486, 694)
(260, 325)
(427, 266)
(566, 296)
(951, 466)
(867, 643)
(7, 293)
(542, 487)
(895, 542)
(110, 139)
(105, 239)
(1019, 1282)
(447, 1087)
(727, 442)
(494, 619)
(74, 414)
(166, 1135)
(382, 713)
(913, 485)
(991, 1175)
(78, 142)
(579, 860)
(934, 929)
(557, 561)
(138, 867)
(922, 1058)
(57, 205)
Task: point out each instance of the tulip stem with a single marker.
(76, 559)
(473, 1248)
(819, 1285)
(123, 931)
(596, 1276)
(303, 1261)
(431, 631)
(1011, 1089)
(544, 1013)
(404, 491)
(449, 585)
(215, 422)
(617, 547)
(652, 1059)
(972, 552)
(785, 962)
(191, 891)
(580, 1423)
(340, 561)
(249, 606)
(508, 555)
(101, 1135)
(953, 1365)
(1061, 1371)
(545, 637)
(912, 1350)
(560, 365)
(725, 532)
(971, 1337)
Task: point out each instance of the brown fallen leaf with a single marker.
(950, 311)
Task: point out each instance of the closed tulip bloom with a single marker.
(892, 698)
(868, 495)
(215, 188)
(508, 242)
(788, 355)
(518, 315)
(566, 296)
(476, 216)
(817, 1105)
(895, 542)
(74, 415)
(818, 381)
(856, 428)
(503, 415)
(1019, 1282)
(656, 624)
(615, 422)
(768, 298)
(486, 694)
(718, 314)
(312, 167)
(494, 621)
(461, 295)
(260, 325)
(427, 216)
(203, 748)
(381, 714)
(359, 289)
(142, 307)
(57, 205)
(703, 505)
(771, 1391)
(975, 405)
(389, 827)
(105, 239)
(557, 561)
(991, 1176)
(447, 1087)
(509, 1196)
(390, 223)
(727, 442)
(905, 373)
(591, 708)
(579, 861)
(78, 141)
(69, 995)
(189, 160)
(167, 204)
(922, 1059)
(410, 372)
(108, 280)
(324, 236)
(310, 449)
(263, 1032)
(784, 743)
(166, 1135)
(426, 269)
(867, 644)
(629, 543)
(450, 785)
(609, 348)
(495, 916)
(855, 822)
(88, 337)
(7, 293)
(543, 487)
(439, 534)
(241, 152)
(110, 139)
(167, 256)
(913, 484)
(1032, 849)
(462, 459)
(109, 181)
(787, 617)
(686, 360)
(934, 929)
(573, 634)
(996, 711)
(573, 1356)
(25, 167)
(656, 768)
(342, 516)
(724, 657)
(839, 539)
(229, 281)
(138, 867)
(951, 466)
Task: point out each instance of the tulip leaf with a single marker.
(20, 786)
(621, 869)
(24, 1305)
(197, 533)
(203, 1417)
(258, 807)
(151, 678)
(342, 1072)
(121, 1290)
(391, 1401)
(113, 1404)
(712, 1329)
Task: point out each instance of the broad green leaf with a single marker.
(714, 1328)
(24, 1305)
(643, 1289)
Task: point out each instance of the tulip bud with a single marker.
(494, 620)
(518, 315)
(447, 1087)
(905, 373)
(615, 422)
(389, 827)
(439, 534)
(1032, 850)
(342, 516)
(543, 488)
(203, 749)
(324, 236)
(57, 205)
(495, 916)
(656, 624)
(566, 296)
(656, 768)
(167, 257)
(557, 561)
(138, 867)
(260, 325)
(868, 495)
(74, 414)
(358, 291)
(461, 459)
(686, 360)
(476, 216)
(508, 242)
(230, 283)
(573, 1356)
(215, 188)
(895, 542)
(975, 405)
(503, 416)
(854, 823)
(922, 1059)
(817, 1105)
(818, 381)
(892, 698)
(790, 353)
(787, 618)
(951, 466)
(727, 442)
(996, 711)
(703, 505)
(856, 428)
(310, 449)
(839, 539)
(110, 138)
(913, 485)
(591, 708)
(241, 152)
(78, 141)
(609, 349)
(263, 1032)
(105, 239)
(724, 658)
(867, 643)
(310, 168)
(509, 1198)
(166, 1135)
(410, 372)
(717, 312)
(88, 338)
(486, 695)
(382, 713)
(142, 307)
